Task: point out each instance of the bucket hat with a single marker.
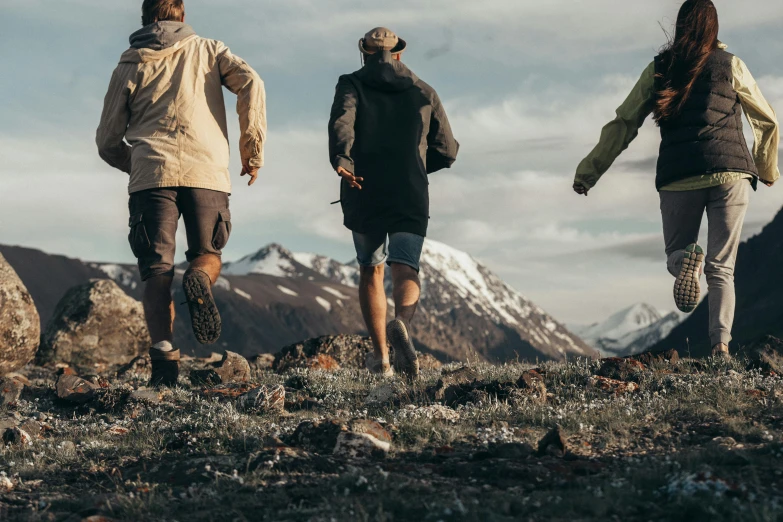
(381, 39)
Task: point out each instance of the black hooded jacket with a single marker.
(388, 127)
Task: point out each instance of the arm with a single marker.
(442, 148)
(114, 122)
(763, 122)
(341, 125)
(619, 133)
(239, 78)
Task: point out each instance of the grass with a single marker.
(696, 442)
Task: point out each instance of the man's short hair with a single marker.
(162, 10)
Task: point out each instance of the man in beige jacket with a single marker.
(164, 124)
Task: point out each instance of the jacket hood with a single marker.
(384, 73)
(157, 41)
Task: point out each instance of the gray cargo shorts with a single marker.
(402, 248)
(154, 215)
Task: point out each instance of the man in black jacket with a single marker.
(387, 132)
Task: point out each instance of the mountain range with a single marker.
(629, 331)
(275, 297)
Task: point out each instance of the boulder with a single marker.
(263, 399)
(348, 351)
(20, 325)
(766, 355)
(464, 375)
(95, 324)
(554, 443)
(10, 390)
(73, 388)
(232, 368)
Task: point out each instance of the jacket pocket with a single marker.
(137, 237)
(222, 230)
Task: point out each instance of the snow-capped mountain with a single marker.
(630, 331)
(465, 309)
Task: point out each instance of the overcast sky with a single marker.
(527, 85)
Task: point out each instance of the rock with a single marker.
(10, 391)
(429, 362)
(95, 324)
(9, 421)
(614, 386)
(262, 361)
(319, 436)
(264, 399)
(553, 443)
(232, 368)
(660, 357)
(533, 382)
(20, 325)
(75, 389)
(323, 362)
(348, 350)
(620, 369)
(765, 355)
(364, 439)
(118, 430)
(17, 437)
(360, 446)
(6, 484)
(481, 392)
(460, 376)
(723, 442)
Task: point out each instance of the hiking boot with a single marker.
(722, 351)
(165, 367)
(405, 360)
(204, 314)
(686, 288)
(376, 366)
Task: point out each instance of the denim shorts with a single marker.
(402, 247)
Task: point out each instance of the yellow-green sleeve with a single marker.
(620, 132)
(763, 121)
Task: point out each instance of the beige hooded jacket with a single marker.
(168, 105)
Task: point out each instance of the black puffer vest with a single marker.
(706, 137)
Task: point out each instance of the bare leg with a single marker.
(407, 290)
(159, 308)
(209, 263)
(372, 298)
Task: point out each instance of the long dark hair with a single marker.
(684, 58)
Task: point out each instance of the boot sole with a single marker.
(204, 314)
(686, 288)
(405, 359)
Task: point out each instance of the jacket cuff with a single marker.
(341, 161)
(256, 162)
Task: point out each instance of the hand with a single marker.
(580, 189)
(352, 180)
(249, 171)
(767, 183)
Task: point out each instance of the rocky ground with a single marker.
(621, 439)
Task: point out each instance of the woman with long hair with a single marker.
(696, 92)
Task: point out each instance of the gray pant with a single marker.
(682, 214)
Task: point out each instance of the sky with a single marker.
(527, 86)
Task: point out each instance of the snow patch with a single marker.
(287, 291)
(243, 294)
(336, 293)
(323, 302)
